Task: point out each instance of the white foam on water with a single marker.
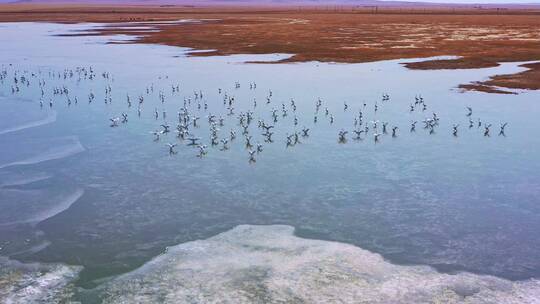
(56, 152)
(51, 117)
(35, 282)
(268, 264)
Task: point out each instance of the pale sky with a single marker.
(432, 1)
(479, 1)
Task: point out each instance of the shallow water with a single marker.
(79, 192)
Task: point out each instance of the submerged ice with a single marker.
(268, 264)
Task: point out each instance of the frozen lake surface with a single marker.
(88, 210)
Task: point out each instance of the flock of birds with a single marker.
(194, 108)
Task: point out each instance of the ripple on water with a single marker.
(256, 264)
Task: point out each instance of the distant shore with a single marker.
(481, 37)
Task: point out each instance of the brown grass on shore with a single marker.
(481, 38)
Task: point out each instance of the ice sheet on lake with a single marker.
(61, 206)
(34, 206)
(268, 264)
(54, 149)
(20, 113)
(35, 283)
(14, 179)
(50, 118)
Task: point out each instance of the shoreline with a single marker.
(481, 39)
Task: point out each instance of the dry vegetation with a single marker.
(481, 38)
